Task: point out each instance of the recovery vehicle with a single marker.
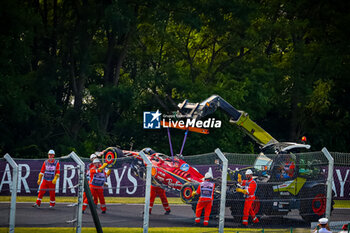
(277, 193)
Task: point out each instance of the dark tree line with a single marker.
(77, 75)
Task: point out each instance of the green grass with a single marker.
(151, 230)
(132, 200)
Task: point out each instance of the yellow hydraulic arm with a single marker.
(239, 118)
(253, 130)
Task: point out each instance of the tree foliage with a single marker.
(77, 75)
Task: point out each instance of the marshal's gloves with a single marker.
(40, 177)
(241, 191)
(102, 167)
(239, 179)
(55, 179)
(108, 172)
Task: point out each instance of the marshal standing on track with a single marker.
(50, 171)
(155, 190)
(96, 183)
(206, 191)
(249, 188)
(88, 167)
(158, 191)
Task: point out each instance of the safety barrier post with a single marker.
(14, 166)
(147, 192)
(223, 189)
(329, 181)
(81, 177)
(92, 207)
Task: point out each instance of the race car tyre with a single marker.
(110, 156)
(186, 192)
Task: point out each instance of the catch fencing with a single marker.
(122, 182)
(284, 200)
(40, 212)
(281, 201)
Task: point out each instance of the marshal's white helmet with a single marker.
(96, 161)
(249, 172)
(93, 156)
(208, 175)
(51, 152)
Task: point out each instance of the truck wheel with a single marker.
(313, 206)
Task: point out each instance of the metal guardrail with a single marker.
(147, 192)
(14, 192)
(223, 189)
(81, 178)
(329, 181)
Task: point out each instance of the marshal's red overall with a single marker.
(49, 174)
(96, 183)
(158, 191)
(206, 191)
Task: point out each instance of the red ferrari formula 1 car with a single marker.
(170, 173)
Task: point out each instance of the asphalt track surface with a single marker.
(130, 215)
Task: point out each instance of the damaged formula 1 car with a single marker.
(171, 173)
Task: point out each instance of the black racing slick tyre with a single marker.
(186, 192)
(110, 156)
